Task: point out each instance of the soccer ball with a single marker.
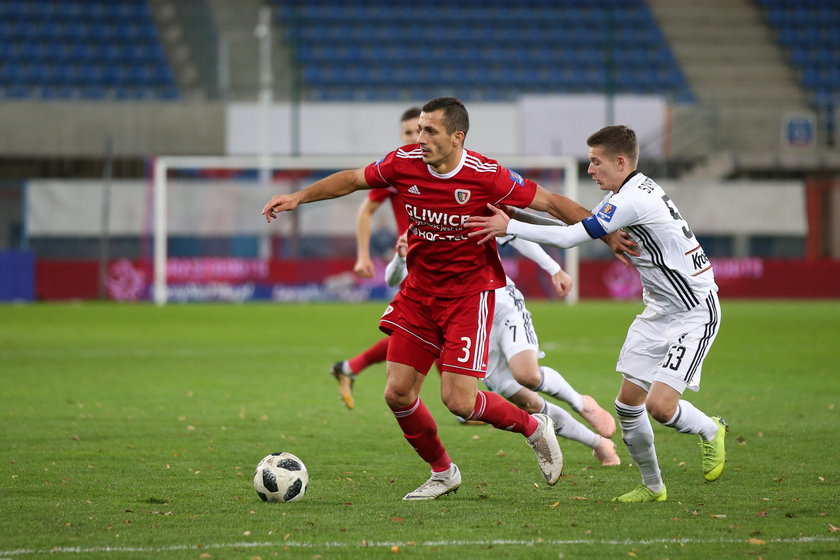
(281, 477)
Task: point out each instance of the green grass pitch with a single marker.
(130, 431)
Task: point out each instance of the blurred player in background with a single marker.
(445, 308)
(513, 369)
(666, 344)
(376, 197)
(345, 371)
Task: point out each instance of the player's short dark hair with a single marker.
(455, 116)
(409, 114)
(616, 140)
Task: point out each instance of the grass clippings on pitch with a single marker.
(132, 431)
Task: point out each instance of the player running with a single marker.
(445, 308)
(666, 344)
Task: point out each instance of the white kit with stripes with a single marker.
(670, 339)
(675, 272)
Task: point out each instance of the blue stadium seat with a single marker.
(493, 48)
(810, 31)
(55, 49)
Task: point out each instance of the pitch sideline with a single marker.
(9, 554)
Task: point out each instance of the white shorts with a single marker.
(512, 333)
(670, 348)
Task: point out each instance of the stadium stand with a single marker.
(809, 30)
(477, 50)
(80, 49)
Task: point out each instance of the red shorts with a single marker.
(424, 327)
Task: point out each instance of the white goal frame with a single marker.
(162, 164)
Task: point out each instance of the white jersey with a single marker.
(676, 274)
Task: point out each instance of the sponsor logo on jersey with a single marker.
(388, 310)
(606, 212)
(517, 178)
(699, 260)
(427, 217)
(414, 189)
(462, 196)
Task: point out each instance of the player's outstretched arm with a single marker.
(571, 212)
(522, 216)
(563, 208)
(499, 223)
(334, 186)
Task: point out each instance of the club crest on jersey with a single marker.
(606, 212)
(462, 196)
(517, 178)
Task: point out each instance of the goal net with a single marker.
(211, 243)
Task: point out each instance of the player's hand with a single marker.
(402, 245)
(364, 267)
(491, 226)
(562, 283)
(622, 245)
(279, 203)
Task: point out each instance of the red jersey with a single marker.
(443, 261)
(390, 194)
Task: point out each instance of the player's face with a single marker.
(440, 149)
(408, 131)
(607, 171)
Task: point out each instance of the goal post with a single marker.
(162, 166)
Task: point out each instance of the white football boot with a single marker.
(545, 445)
(438, 485)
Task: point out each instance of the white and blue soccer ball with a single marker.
(281, 477)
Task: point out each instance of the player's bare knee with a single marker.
(532, 408)
(525, 367)
(529, 378)
(660, 411)
(397, 399)
(459, 406)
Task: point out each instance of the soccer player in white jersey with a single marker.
(666, 344)
(513, 369)
(445, 307)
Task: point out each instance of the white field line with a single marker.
(371, 544)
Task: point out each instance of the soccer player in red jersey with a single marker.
(345, 371)
(445, 307)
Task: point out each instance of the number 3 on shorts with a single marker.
(465, 349)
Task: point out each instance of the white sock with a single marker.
(688, 419)
(567, 426)
(345, 367)
(555, 385)
(637, 434)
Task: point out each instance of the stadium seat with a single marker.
(60, 49)
(810, 31)
(495, 49)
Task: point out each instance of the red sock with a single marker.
(373, 355)
(420, 430)
(496, 411)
